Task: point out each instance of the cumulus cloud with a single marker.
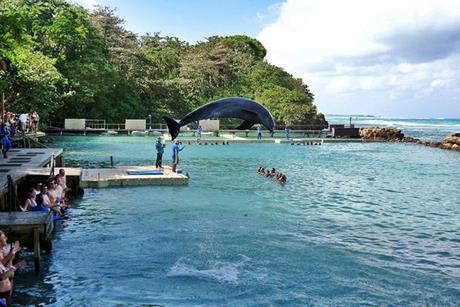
(359, 54)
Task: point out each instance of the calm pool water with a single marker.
(356, 224)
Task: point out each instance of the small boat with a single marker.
(112, 132)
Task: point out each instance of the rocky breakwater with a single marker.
(382, 134)
(395, 135)
(451, 142)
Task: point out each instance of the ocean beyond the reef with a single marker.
(434, 129)
(356, 224)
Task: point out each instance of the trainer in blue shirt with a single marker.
(160, 150)
(175, 148)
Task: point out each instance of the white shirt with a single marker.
(23, 117)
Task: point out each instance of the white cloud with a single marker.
(403, 51)
(88, 4)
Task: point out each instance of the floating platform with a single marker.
(118, 177)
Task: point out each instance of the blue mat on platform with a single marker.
(145, 172)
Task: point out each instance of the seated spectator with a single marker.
(63, 181)
(7, 269)
(37, 187)
(29, 202)
(49, 199)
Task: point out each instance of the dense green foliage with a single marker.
(65, 62)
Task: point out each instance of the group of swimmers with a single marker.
(306, 143)
(280, 177)
(212, 143)
(48, 196)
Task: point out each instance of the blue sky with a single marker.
(191, 20)
(389, 58)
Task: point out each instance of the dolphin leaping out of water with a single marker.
(231, 107)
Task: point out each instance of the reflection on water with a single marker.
(355, 224)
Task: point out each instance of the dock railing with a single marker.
(115, 126)
(95, 124)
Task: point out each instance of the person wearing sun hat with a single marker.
(160, 150)
(175, 149)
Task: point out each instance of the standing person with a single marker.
(259, 133)
(287, 130)
(199, 130)
(35, 118)
(160, 150)
(6, 144)
(175, 149)
(23, 118)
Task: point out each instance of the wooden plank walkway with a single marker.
(21, 158)
(113, 177)
(33, 229)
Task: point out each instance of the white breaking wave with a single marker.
(224, 272)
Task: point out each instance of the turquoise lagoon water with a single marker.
(356, 224)
(424, 128)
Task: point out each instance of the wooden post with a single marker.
(37, 250)
(111, 161)
(52, 166)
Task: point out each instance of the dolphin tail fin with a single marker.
(173, 127)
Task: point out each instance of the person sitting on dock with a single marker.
(175, 149)
(29, 202)
(50, 200)
(59, 192)
(39, 199)
(37, 187)
(9, 255)
(63, 182)
(7, 272)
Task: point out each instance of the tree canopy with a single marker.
(65, 62)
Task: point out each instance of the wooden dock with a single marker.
(116, 177)
(32, 229)
(23, 158)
